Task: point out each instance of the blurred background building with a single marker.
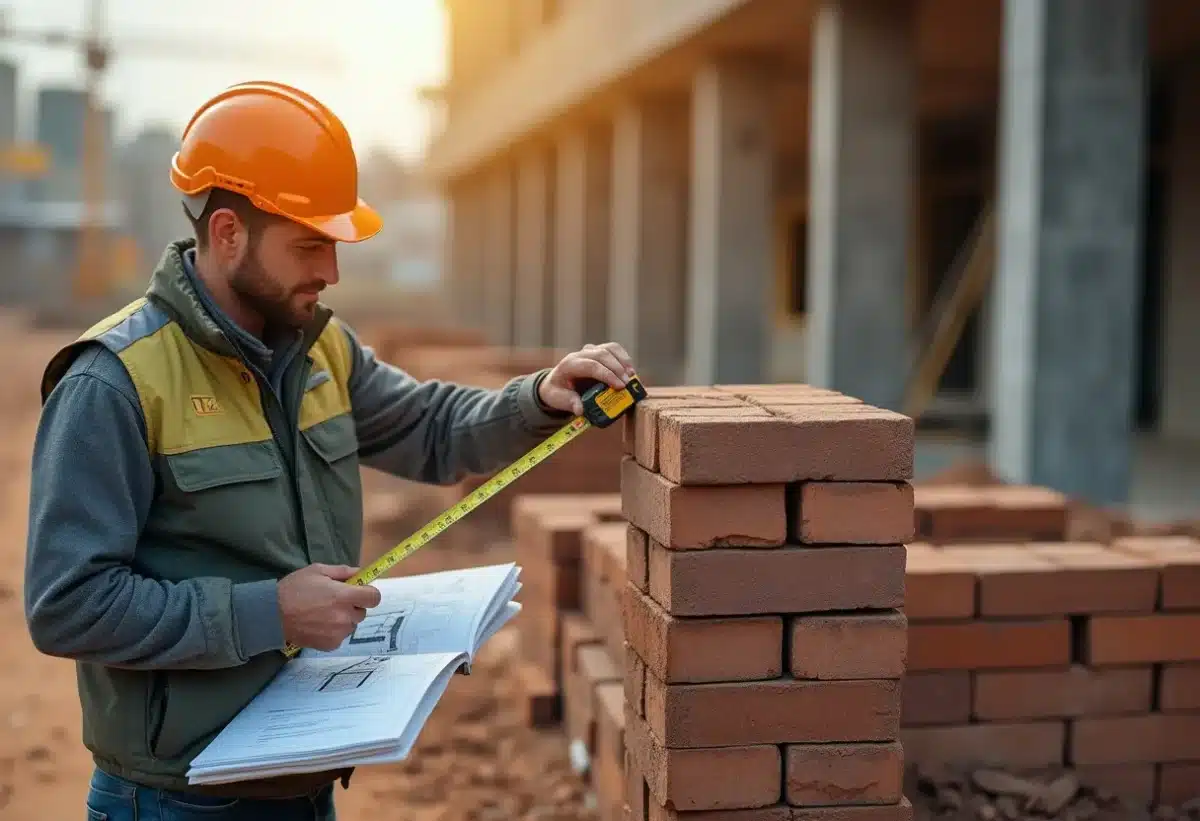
(978, 212)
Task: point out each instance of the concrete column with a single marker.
(1070, 234)
(465, 251)
(648, 285)
(535, 243)
(583, 207)
(498, 254)
(1181, 303)
(862, 166)
(732, 216)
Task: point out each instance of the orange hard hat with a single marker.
(284, 151)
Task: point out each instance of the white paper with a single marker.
(367, 701)
(444, 612)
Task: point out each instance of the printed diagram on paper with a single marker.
(359, 675)
(433, 618)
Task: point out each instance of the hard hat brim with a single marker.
(357, 225)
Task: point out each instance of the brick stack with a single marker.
(1057, 654)
(763, 611)
(548, 536)
(960, 514)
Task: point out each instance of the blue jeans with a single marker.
(115, 799)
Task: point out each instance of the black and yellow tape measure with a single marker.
(602, 405)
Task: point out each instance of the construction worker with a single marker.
(196, 501)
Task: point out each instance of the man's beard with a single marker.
(267, 298)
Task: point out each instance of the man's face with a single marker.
(283, 271)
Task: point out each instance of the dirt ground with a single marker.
(474, 760)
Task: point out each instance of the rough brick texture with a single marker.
(712, 778)
(854, 513)
(701, 517)
(745, 582)
(983, 645)
(849, 646)
(1072, 693)
(693, 650)
(808, 442)
(779, 711)
(831, 774)
(997, 513)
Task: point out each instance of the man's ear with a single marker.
(227, 236)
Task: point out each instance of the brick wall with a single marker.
(783, 620)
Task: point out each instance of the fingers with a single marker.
(592, 364)
(362, 596)
(337, 572)
(622, 356)
(562, 399)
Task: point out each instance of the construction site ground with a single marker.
(476, 758)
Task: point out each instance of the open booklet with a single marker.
(367, 701)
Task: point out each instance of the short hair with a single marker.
(219, 198)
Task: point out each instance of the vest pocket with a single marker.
(334, 472)
(207, 468)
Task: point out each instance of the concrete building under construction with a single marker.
(755, 190)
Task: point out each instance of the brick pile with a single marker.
(548, 531)
(765, 636)
(1080, 655)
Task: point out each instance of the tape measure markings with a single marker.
(602, 404)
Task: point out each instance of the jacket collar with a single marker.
(171, 288)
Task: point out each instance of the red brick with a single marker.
(693, 650)
(1178, 560)
(1179, 687)
(783, 812)
(705, 778)
(829, 774)
(937, 586)
(641, 426)
(854, 513)
(1178, 784)
(983, 645)
(1027, 745)
(1148, 639)
(1144, 739)
(636, 791)
(1071, 693)
(609, 706)
(552, 586)
(936, 698)
(996, 513)
(731, 582)
(635, 680)
(849, 645)
(1054, 580)
(1135, 783)
(575, 632)
(699, 517)
(816, 442)
(539, 638)
(540, 695)
(636, 557)
(772, 712)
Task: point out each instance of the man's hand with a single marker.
(319, 609)
(607, 363)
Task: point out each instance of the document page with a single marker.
(430, 613)
(319, 710)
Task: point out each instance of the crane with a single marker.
(98, 52)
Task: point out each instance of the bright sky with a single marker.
(388, 49)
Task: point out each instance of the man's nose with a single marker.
(329, 267)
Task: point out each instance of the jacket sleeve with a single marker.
(439, 432)
(92, 486)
